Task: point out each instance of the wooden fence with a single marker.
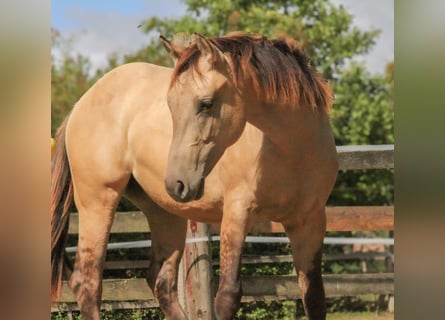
(196, 280)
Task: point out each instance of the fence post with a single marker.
(390, 268)
(195, 274)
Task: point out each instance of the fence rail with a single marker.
(257, 259)
(135, 293)
(353, 218)
(366, 157)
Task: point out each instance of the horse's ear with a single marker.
(207, 48)
(173, 49)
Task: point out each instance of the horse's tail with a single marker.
(61, 200)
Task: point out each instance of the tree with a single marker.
(324, 29)
(363, 114)
(69, 80)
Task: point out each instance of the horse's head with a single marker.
(207, 112)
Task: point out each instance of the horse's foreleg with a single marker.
(306, 241)
(168, 234)
(96, 211)
(234, 227)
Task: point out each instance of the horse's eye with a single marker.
(205, 105)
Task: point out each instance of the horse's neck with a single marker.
(288, 129)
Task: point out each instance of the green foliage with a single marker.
(324, 29)
(69, 80)
(362, 303)
(363, 112)
(110, 314)
(268, 311)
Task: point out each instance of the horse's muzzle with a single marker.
(182, 192)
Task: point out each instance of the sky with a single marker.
(97, 29)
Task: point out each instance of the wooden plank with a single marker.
(261, 226)
(350, 218)
(360, 218)
(366, 157)
(264, 259)
(126, 264)
(286, 287)
(109, 305)
(372, 255)
(254, 259)
(267, 227)
(257, 259)
(124, 222)
(254, 287)
(359, 284)
(115, 290)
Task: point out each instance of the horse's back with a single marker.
(125, 84)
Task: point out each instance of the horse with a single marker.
(238, 131)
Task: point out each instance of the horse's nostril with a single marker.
(179, 188)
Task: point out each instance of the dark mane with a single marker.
(279, 70)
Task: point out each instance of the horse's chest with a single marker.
(283, 190)
(273, 188)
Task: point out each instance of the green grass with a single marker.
(139, 314)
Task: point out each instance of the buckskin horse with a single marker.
(237, 131)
